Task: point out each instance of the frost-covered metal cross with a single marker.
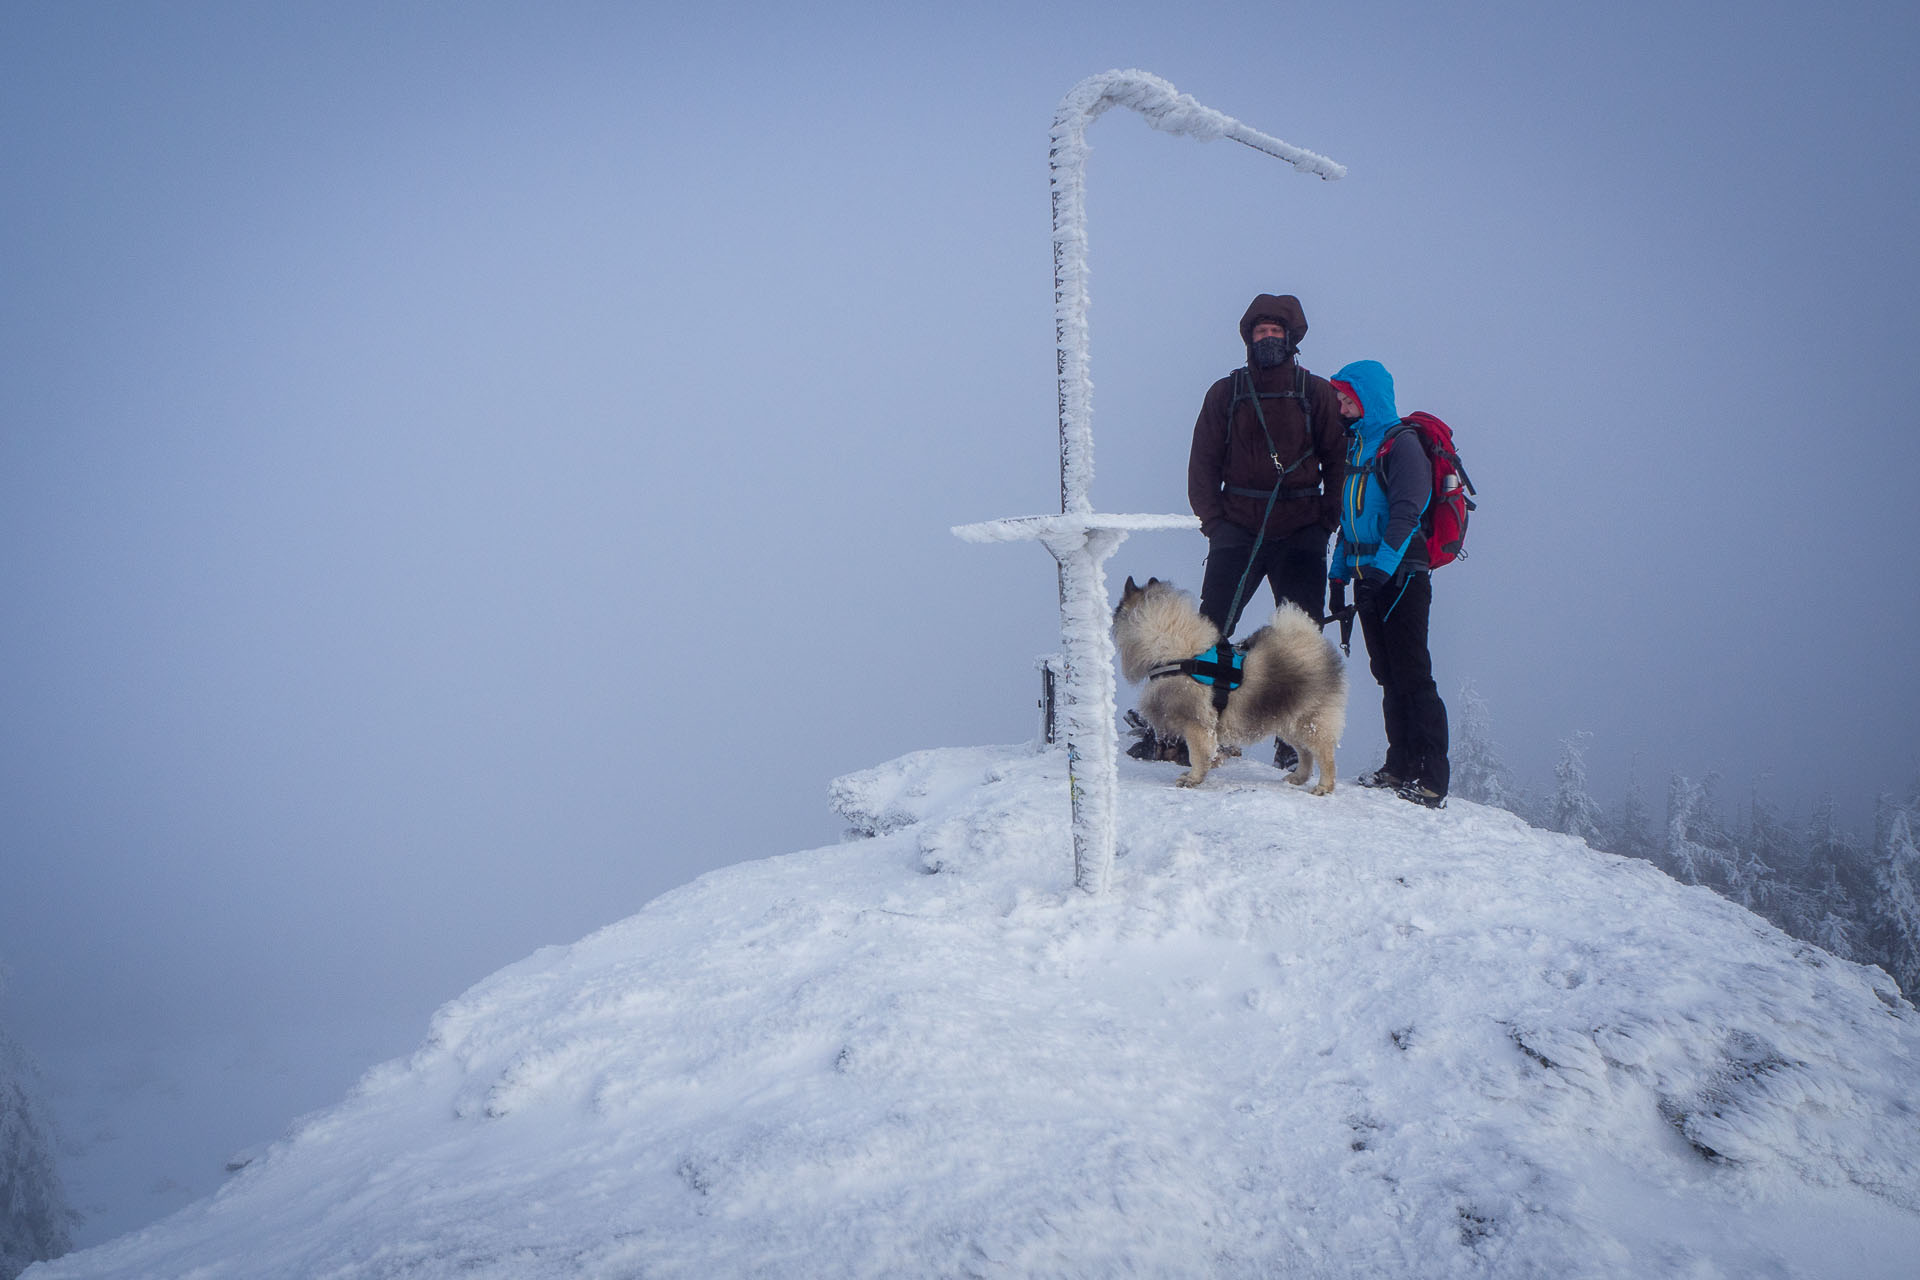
(1080, 539)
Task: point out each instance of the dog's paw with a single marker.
(1324, 789)
(1189, 780)
(1299, 777)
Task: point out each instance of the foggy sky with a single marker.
(465, 471)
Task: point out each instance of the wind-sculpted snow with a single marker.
(1300, 1036)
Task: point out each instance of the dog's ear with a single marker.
(1153, 582)
(1129, 589)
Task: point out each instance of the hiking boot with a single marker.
(1420, 795)
(1379, 778)
(1284, 756)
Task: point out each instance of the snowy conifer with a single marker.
(1478, 772)
(1633, 833)
(1832, 931)
(1830, 845)
(1767, 836)
(1894, 932)
(1837, 886)
(1699, 849)
(1772, 845)
(1682, 858)
(1572, 809)
(35, 1221)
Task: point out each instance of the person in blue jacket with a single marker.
(1388, 484)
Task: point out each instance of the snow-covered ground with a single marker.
(1300, 1036)
(144, 1127)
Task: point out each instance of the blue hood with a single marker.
(1374, 385)
(1366, 526)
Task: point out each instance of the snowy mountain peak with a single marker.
(1337, 1036)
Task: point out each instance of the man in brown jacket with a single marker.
(1269, 451)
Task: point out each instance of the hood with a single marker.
(1373, 385)
(1285, 306)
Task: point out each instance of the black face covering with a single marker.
(1269, 352)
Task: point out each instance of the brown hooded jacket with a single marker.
(1236, 456)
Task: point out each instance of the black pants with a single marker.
(1397, 653)
(1294, 565)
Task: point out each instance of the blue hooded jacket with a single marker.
(1380, 503)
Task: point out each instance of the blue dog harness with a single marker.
(1221, 667)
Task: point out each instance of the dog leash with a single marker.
(1279, 480)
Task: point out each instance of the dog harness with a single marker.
(1221, 667)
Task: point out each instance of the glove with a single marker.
(1336, 597)
(1372, 590)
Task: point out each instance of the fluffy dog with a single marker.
(1294, 684)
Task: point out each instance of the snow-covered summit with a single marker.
(1300, 1036)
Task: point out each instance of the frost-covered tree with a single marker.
(1682, 856)
(1831, 845)
(1707, 825)
(35, 1220)
(1633, 834)
(1698, 848)
(1572, 809)
(1768, 838)
(1478, 773)
(1769, 842)
(1894, 925)
(1829, 929)
(1836, 887)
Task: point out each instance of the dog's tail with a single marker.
(1291, 621)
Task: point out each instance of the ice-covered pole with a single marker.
(1170, 111)
(1080, 540)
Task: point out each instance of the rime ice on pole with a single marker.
(1079, 539)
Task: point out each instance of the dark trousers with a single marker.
(1294, 565)
(1397, 653)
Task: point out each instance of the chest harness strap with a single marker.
(1221, 666)
(1244, 390)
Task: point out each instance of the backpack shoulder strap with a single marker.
(1394, 432)
(1233, 404)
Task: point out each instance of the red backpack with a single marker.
(1445, 520)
